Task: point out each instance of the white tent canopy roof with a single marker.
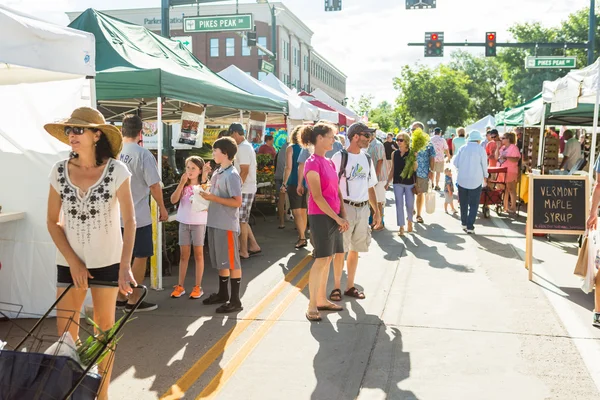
(325, 98)
(33, 50)
(578, 86)
(482, 124)
(304, 110)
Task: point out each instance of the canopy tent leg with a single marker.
(594, 130)
(92, 82)
(242, 117)
(541, 145)
(156, 261)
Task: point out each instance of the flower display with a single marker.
(418, 141)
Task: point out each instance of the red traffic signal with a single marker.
(490, 44)
(434, 36)
(434, 44)
(491, 36)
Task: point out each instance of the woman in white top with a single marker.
(89, 193)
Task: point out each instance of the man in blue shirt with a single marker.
(471, 163)
(425, 165)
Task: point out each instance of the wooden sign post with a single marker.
(557, 204)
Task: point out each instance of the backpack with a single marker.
(344, 163)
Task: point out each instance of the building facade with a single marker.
(298, 65)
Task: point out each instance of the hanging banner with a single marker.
(257, 125)
(211, 135)
(192, 125)
(280, 136)
(150, 136)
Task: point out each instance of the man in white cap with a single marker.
(471, 163)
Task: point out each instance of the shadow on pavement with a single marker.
(437, 233)
(421, 251)
(342, 357)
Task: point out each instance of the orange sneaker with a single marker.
(178, 292)
(196, 293)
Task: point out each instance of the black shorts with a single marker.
(143, 246)
(107, 274)
(296, 201)
(325, 236)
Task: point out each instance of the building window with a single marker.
(286, 50)
(261, 75)
(262, 40)
(230, 47)
(246, 51)
(214, 47)
(306, 63)
(295, 53)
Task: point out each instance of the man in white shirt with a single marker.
(245, 163)
(572, 152)
(357, 184)
(377, 152)
(441, 149)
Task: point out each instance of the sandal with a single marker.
(253, 253)
(335, 295)
(330, 307)
(353, 292)
(313, 316)
(401, 232)
(301, 243)
(281, 227)
(419, 219)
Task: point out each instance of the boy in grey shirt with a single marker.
(223, 226)
(145, 180)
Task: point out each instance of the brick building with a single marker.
(298, 64)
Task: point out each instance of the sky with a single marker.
(368, 39)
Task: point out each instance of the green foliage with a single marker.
(439, 93)
(363, 105)
(384, 116)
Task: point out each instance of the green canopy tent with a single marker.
(135, 67)
(516, 116)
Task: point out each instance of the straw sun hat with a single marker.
(87, 117)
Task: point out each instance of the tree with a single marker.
(485, 88)
(384, 116)
(439, 93)
(363, 105)
(575, 29)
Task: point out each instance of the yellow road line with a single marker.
(200, 366)
(219, 381)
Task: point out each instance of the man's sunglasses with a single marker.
(367, 135)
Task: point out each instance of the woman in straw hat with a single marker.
(89, 193)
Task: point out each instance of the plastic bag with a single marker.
(64, 347)
(430, 202)
(593, 261)
(199, 203)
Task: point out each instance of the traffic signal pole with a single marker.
(526, 45)
(591, 32)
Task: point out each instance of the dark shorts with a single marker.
(143, 246)
(223, 248)
(325, 236)
(107, 274)
(296, 201)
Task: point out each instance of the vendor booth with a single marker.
(323, 97)
(43, 70)
(482, 124)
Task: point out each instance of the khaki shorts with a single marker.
(380, 192)
(358, 236)
(438, 166)
(422, 185)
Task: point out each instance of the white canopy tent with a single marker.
(482, 124)
(308, 111)
(325, 98)
(43, 70)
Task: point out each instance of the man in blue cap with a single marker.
(471, 163)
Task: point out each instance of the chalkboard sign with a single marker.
(559, 204)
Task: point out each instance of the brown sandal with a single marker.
(353, 292)
(313, 316)
(335, 295)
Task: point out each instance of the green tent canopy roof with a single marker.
(135, 66)
(516, 116)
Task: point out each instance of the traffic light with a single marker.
(251, 37)
(333, 5)
(490, 44)
(434, 44)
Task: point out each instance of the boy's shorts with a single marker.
(223, 248)
(448, 197)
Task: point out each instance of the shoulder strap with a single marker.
(343, 164)
(369, 162)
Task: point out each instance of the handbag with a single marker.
(430, 201)
(582, 259)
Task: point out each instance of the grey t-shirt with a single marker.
(225, 183)
(281, 158)
(144, 173)
(303, 156)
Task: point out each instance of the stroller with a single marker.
(28, 370)
(493, 193)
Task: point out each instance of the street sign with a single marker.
(333, 5)
(218, 23)
(550, 62)
(184, 40)
(420, 4)
(266, 66)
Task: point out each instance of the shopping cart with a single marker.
(27, 373)
(493, 193)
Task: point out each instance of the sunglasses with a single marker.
(75, 130)
(366, 135)
(399, 140)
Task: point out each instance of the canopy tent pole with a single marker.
(541, 144)
(92, 82)
(241, 117)
(156, 261)
(594, 129)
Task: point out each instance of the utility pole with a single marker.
(591, 32)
